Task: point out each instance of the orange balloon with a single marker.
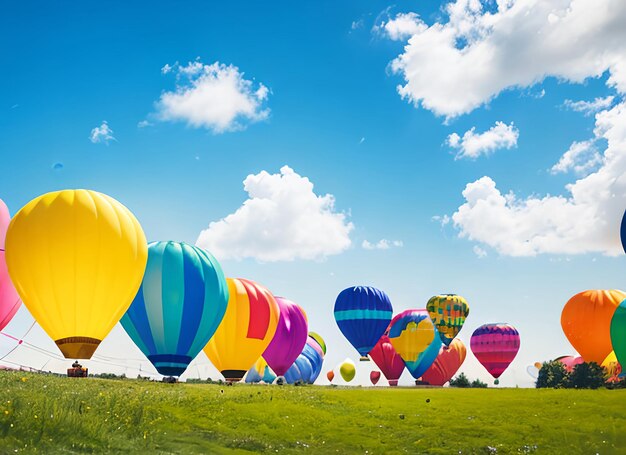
(586, 322)
(330, 375)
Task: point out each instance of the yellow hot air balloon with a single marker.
(76, 258)
(347, 370)
(246, 330)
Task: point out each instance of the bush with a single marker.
(478, 384)
(460, 381)
(552, 375)
(587, 376)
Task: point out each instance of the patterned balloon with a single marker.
(414, 336)
(612, 367)
(180, 304)
(9, 300)
(448, 312)
(446, 364)
(388, 360)
(495, 346)
(363, 314)
(290, 337)
(586, 322)
(308, 365)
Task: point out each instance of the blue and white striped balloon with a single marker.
(180, 304)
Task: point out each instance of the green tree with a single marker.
(460, 381)
(478, 384)
(587, 376)
(552, 375)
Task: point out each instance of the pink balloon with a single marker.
(290, 337)
(9, 300)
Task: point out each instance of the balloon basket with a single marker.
(364, 358)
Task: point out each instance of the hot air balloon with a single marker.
(308, 365)
(622, 232)
(289, 338)
(613, 367)
(495, 346)
(9, 300)
(448, 313)
(618, 332)
(446, 364)
(180, 304)
(388, 360)
(246, 330)
(330, 376)
(569, 362)
(374, 377)
(415, 338)
(363, 314)
(347, 370)
(260, 371)
(76, 258)
(586, 322)
(319, 340)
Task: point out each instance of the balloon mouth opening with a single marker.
(170, 364)
(364, 358)
(393, 383)
(77, 347)
(233, 375)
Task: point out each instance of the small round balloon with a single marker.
(388, 360)
(347, 370)
(330, 376)
(374, 377)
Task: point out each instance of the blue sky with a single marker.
(333, 114)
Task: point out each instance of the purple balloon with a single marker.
(289, 339)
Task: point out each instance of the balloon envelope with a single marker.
(414, 337)
(569, 362)
(76, 257)
(308, 365)
(374, 377)
(448, 312)
(319, 340)
(388, 360)
(181, 302)
(247, 328)
(290, 337)
(618, 332)
(495, 346)
(330, 376)
(612, 366)
(586, 322)
(9, 299)
(447, 363)
(347, 370)
(363, 314)
(260, 371)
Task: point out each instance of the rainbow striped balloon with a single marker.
(495, 346)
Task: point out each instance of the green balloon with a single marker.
(618, 333)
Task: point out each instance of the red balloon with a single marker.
(388, 360)
(374, 377)
(330, 375)
(446, 364)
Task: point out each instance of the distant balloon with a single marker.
(308, 365)
(447, 363)
(612, 366)
(414, 337)
(569, 362)
(290, 336)
(374, 377)
(618, 332)
(260, 371)
(495, 346)
(319, 340)
(448, 312)
(76, 257)
(586, 322)
(9, 299)
(347, 370)
(246, 330)
(388, 360)
(533, 371)
(180, 304)
(363, 314)
(330, 376)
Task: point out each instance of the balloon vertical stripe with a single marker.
(259, 314)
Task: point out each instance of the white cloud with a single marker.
(283, 219)
(144, 124)
(582, 157)
(216, 97)
(452, 67)
(587, 220)
(102, 134)
(473, 145)
(478, 251)
(590, 107)
(356, 24)
(403, 26)
(382, 244)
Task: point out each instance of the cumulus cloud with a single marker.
(458, 64)
(581, 158)
(590, 107)
(472, 144)
(283, 219)
(478, 251)
(382, 244)
(403, 26)
(215, 96)
(102, 134)
(585, 220)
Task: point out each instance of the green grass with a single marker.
(45, 414)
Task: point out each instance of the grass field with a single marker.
(46, 414)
